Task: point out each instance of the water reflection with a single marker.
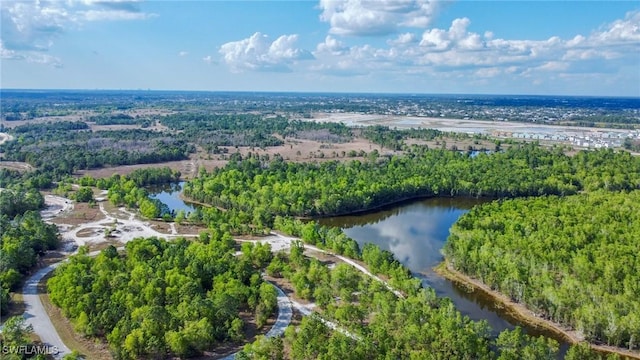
(415, 233)
(169, 194)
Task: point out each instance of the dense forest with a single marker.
(24, 238)
(573, 260)
(317, 189)
(213, 130)
(180, 297)
(64, 147)
(372, 322)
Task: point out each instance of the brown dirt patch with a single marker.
(304, 150)
(15, 165)
(16, 306)
(51, 257)
(189, 229)
(81, 213)
(286, 287)
(160, 226)
(88, 232)
(103, 245)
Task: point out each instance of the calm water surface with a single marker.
(415, 233)
(170, 195)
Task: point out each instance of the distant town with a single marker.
(581, 122)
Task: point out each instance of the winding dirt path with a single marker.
(35, 314)
(129, 228)
(4, 137)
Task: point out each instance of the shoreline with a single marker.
(523, 315)
(384, 206)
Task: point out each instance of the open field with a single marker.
(453, 125)
(581, 137)
(293, 150)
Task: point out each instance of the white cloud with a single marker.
(331, 45)
(9, 54)
(257, 52)
(404, 39)
(375, 17)
(457, 54)
(553, 66)
(208, 59)
(29, 28)
(111, 15)
(622, 31)
(183, 53)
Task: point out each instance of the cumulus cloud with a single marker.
(258, 52)
(29, 28)
(183, 53)
(403, 40)
(486, 55)
(331, 45)
(375, 17)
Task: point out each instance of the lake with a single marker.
(414, 232)
(170, 195)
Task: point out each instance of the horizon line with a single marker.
(309, 92)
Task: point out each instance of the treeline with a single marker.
(181, 298)
(51, 126)
(373, 323)
(141, 177)
(213, 130)
(15, 202)
(633, 145)
(56, 149)
(120, 119)
(394, 139)
(328, 238)
(24, 237)
(317, 189)
(28, 179)
(573, 260)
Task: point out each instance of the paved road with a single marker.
(36, 316)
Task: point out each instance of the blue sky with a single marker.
(400, 46)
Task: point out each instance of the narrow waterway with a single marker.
(415, 233)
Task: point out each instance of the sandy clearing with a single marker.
(15, 165)
(94, 231)
(4, 137)
(55, 206)
(126, 229)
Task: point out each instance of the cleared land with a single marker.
(453, 125)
